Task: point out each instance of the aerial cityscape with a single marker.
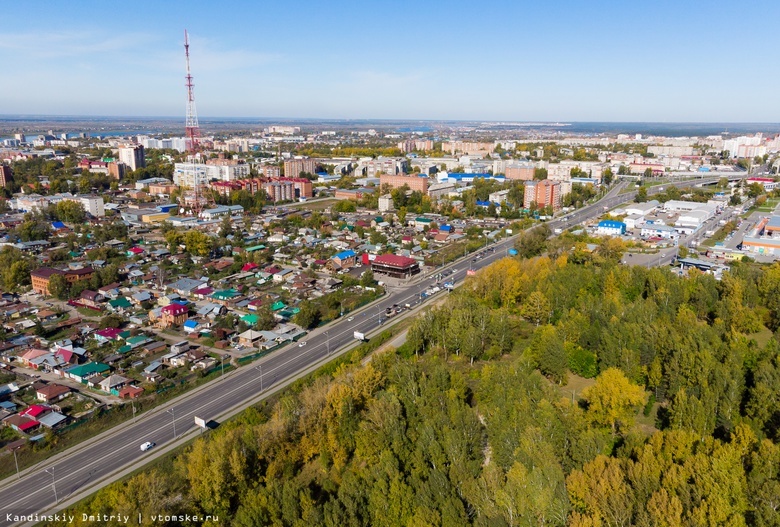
(389, 265)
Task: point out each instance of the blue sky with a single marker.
(663, 60)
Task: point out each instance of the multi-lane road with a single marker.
(52, 485)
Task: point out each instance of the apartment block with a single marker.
(415, 144)
(544, 193)
(132, 156)
(6, 175)
(467, 147)
(519, 171)
(93, 205)
(398, 181)
(294, 167)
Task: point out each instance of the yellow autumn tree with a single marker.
(613, 399)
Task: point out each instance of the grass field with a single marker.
(315, 205)
(762, 337)
(769, 205)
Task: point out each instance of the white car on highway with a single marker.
(146, 446)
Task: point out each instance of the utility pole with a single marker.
(16, 461)
(173, 420)
(53, 484)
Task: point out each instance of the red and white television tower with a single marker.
(191, 128)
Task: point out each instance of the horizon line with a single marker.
(364, 119)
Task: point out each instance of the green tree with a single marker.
(18, 274)
(309, 315)
(607, 176)
(367, 279)
(533, 241)
(111, 321)
(265, 319)
(69, 211)
(59, 287)
(641, 195)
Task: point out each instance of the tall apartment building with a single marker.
(279, 191)
(232, 145)
(398, 181)
(519, 171)
(544, 193)
(294, 167)
(117, 170)
(192, 174)
(6, 175)
(383, 165)
(93, 205)
(271, 171)
(467, 147)
(132, 156)
(415, 144)
(302, 186)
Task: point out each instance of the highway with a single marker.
(79, 471)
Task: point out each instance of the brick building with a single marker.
(524, 171)
(40, 277)
(294, 167)
(6, 175)
(544, 193)
(413, 182)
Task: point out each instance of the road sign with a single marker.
(200, 422)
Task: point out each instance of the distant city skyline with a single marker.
(562, 61)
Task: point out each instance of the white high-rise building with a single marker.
(132, 156)
(93, 205)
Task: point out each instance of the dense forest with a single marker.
(474, 420)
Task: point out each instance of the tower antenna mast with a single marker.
(191, 128)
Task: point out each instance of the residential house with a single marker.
(84, 372)
(170, 315)
(249, 338)
(130, 392)
(51, 393)
(343, 260)
(91, 298)
(52, 420)
(184, 286)
(111, 384)
(22, 423)
(120, 305)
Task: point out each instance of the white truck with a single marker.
(359, 336)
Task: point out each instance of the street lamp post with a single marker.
(173, 420)
(327, 334)
(16, 461)
(260, 369)
(53, 484)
